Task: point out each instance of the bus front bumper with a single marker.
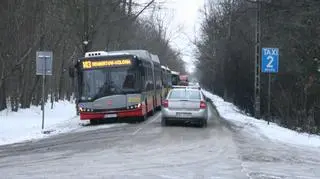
(112, 114)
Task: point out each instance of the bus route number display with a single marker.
(105, 63)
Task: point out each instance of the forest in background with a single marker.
(226, 51)
(28, 26)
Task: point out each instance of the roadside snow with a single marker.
(26, 123)
(231, 113)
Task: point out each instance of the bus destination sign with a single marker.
(87, 64)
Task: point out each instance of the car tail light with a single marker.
(165, 103)
(203, 105)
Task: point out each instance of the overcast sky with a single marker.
(183, 20)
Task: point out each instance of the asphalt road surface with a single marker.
(148, 150)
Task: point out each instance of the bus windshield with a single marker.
(97, 83)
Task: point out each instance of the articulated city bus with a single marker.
(166, 80)
(118, 84)
(175, 77)
(157, 81)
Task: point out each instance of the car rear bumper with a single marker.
(195, 115)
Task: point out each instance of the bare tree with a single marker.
(227, 44)
(61, 27)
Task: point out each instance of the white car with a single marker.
(185, 104)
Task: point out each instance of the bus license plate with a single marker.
(110, 115)
(183, 115)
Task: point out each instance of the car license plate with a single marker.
(183, 115)
(110, 115)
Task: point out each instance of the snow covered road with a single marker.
(147, 150)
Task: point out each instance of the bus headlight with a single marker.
(85, 110)
(135, 106)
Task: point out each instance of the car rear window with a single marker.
(184, 94)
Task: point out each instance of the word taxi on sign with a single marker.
(86, 64)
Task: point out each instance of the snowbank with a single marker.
(231, 113)
(26, 123)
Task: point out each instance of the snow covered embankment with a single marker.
(26, 123)
(230, 112)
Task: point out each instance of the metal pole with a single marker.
(43, 93)
(85, 40)
(225, 89)
(257, 63)
(269, 96)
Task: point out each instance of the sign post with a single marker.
(270, 64)
(257, 64)
(43, 67)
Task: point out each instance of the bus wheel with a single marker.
(143, 118)
(94, 122)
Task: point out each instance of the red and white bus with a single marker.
(183, 80)
(118, 84)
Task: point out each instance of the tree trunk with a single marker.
(130, 7)
(61, 79)
(124, 4)
(3, 103)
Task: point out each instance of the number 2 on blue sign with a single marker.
(270, 63)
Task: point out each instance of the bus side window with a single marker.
(159, 79)
(150, 78)
(147, 77)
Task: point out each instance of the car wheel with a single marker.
(205, 122)
(164, 122)
(201, 124)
